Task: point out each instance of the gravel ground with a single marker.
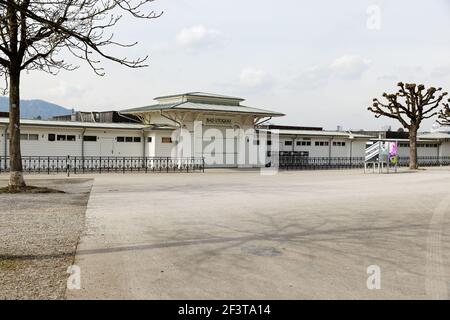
(39, 234)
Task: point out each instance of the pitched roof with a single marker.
(201, 94)
(187, 105)
(77, 124)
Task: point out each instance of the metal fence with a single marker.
(295, 162)
(68, 164)
(289, 162)
(425, 161)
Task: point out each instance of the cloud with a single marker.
(349, 66)
(254, 78)
(197, 37)
(312, 78)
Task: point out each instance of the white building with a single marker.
(315, 142)
(218, 128)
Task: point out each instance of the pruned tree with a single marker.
(35, 33)
(410, 106)
(444, 114)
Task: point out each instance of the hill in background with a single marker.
(32, 109)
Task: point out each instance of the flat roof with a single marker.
(419, 140)
(190, 106)
(321, 133)
(78, 124)
(435, 135)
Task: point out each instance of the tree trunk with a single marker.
(413, 165)
(16, 180)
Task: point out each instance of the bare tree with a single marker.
(444, 115)
(34, 32)
(410, 106)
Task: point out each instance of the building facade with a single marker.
(218, 128)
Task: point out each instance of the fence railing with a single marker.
(68, 164)
(289, 162)
(295, 162)
(425, 161)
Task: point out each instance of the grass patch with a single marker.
(29, 189)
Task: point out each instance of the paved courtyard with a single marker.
(241, 235)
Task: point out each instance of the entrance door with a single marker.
(106, 147)
(219, 150)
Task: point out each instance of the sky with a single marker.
(319, 62)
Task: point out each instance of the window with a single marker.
(61, 137)
(269, 142)
(303, 143)
(128, 139)
(90, 138)
(321, 143)
(166, 140)
(71, 138)
(149, 139)
(288, 143)
(26, 136)
(338, 143)
(51, 137)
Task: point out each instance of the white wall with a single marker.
(444, 150)
(359, 148)
(44, 147)
(421, 151)
(106, 144)
(163, 149)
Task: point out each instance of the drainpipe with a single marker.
(5, 134)
(177, 122)
(329, 148)
(439, 151)
(82, 142)
(352, 138)
(143, 143)
(351, 149)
